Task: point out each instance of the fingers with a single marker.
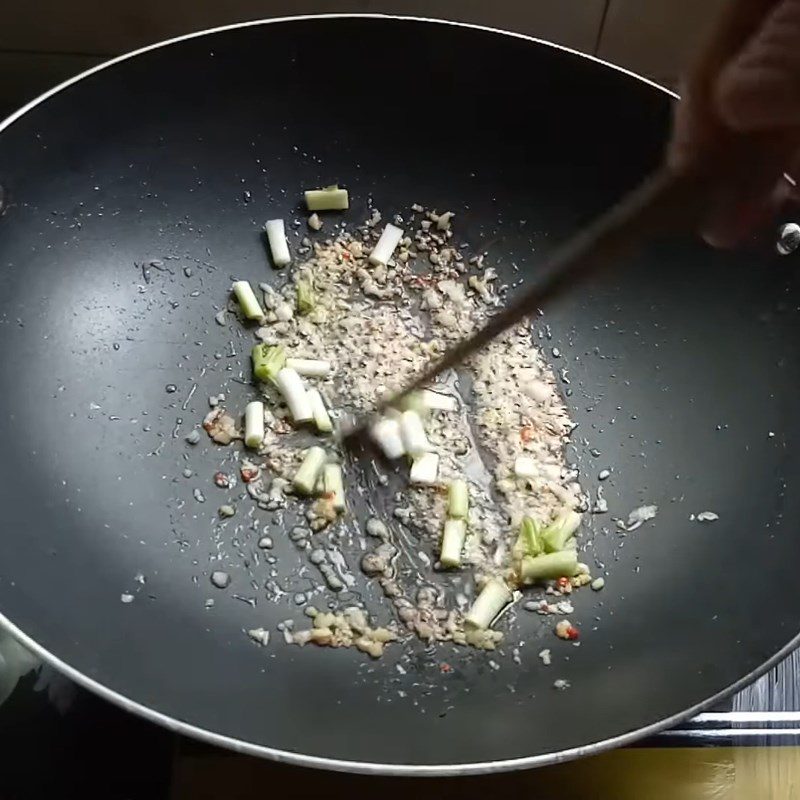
(758, 93)
(696, 125)
(745, 86)
(760, 88)
(739, 209)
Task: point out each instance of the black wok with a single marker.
(683, 370)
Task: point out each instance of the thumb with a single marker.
(760, 88)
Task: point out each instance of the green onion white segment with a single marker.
(458, 499)
(309, 367)
(333, 485)
(247, 300)
(455, 527)
(293, 391)
(549, 566)
(436, 401)
(279, 247)
(412, 431)
(382, 252)
(305, 479)
(331, 198)
(254, 424)
(494, 597)
(424, 469)
(386, 434)
(455, 532)
(321, 418)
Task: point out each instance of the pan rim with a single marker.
(31, 104)
(322, 762)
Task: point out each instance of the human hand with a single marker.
(744, 85)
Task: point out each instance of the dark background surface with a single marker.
(170, 159)
(59, 740)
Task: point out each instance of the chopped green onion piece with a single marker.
(309, 367)
(424, 469)
(386, 434)
(385, 247)
(438, 401)
(455, 531)
(412, 430)
(305, 479)
(247, 300)
(425, 401)
(306, 299)
(458, 499)
(268, 361)
(254, 424)
(556, 535)
(488, 604)
(321, 418)
(279, 247)
(293, 391)
(549, 566)
(333, 485)
(331, 198)
(529, 531)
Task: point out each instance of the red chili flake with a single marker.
(573, 633)
(346, 255)
(562, 583)
(222, 480)
(421, 281)
(445, 668)
(526, 434)
(249, 474)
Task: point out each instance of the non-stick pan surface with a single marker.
(682, 369)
